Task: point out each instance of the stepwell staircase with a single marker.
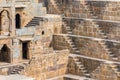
(56, 7)
(81, 67)
(105, 46)
(69, 39)
(104, 43)
(103, 35)
(90, 11)
(18, 68)
(34, 21)
(116, 69)
(76, 51)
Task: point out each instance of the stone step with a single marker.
(105, 37)
(102, 33)
(17, 69)
(82, 68)
(107, 49)
(112, 55)
(14, 71)
(32, 24)
(87, 75)
(78, 63)
(69, 29)
(35, 20)
(85, 71)
(95, 16)
(114, 66)
(75, 59)
(104, 46)
(71, 43)
(109, 52)
(77, 51)
(102, 43)
(68, 37)
(74, 48)
(116, 69)
(114, 58)
(69, 32)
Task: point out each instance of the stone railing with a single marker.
(22, 0)
(25, 31)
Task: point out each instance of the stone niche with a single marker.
(5, 51)
(47, 65)
(5, 22)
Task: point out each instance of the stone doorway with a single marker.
(25, 50)
(5, 54)
(18, 21)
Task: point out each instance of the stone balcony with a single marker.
(22, 0)
(27, 31)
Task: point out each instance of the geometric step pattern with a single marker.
(34, 21)
(56, 7)
(69, 39)
(116, 68)
(81, 67)
(103, 43)
(17, 69)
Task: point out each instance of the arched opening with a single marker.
(5, 54)
(18, 21)
(4, 21)
(43, 32)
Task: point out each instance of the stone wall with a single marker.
(59, 43)
(28, 13)
(69, 8)
(105, 72)
(110, 29)
(47, 65)
(73, 69)
(111, 12)
(88, 9)
(89, 64)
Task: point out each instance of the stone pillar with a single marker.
(12, 33)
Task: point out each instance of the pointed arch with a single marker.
(5, 54)
(4, 21)
(18, 20)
